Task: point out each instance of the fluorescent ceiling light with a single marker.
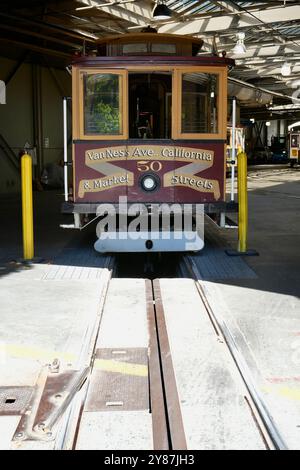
(286, 69)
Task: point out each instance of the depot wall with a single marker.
(17, 123)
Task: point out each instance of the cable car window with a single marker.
(163, 48)
(295, 140)
(199, 103)
(135, 48)
(102, 104)
(150, 105)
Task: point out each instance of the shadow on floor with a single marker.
(274, 228)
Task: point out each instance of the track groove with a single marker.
(159, 418)
(175, 423)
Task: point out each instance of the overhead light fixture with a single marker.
(240, 48)
(268, 123)
(286, 69)
(161, 12)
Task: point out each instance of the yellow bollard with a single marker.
(243, 201)
(27, 207)
(243, 210)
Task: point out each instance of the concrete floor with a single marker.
(49, 238)
(52, 244)
(47, 310)
(262, 310)
(274, 227)
(214, 410)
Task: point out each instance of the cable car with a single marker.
(294, 147)
(149, 125)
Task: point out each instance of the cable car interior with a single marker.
(149, 98)
(150, 104)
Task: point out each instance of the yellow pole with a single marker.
(243, 201)
(27, 207)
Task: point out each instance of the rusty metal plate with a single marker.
(14, 400)
(59, 390)
(53, 393)
(119, 380)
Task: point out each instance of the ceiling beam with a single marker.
(139, 13)
(186, 8)
(225, 22)
(258, 50)
(272, 60)
(228, 6)
(33, 47)
(295, 72)
(58, 29)
(28, 32)
(264, 90)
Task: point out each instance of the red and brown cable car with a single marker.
(149, 123)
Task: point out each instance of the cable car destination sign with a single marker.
(149, 158)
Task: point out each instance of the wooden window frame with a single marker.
(78, 111)
(177, 134)
(176, 72)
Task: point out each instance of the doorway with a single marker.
(149, 97)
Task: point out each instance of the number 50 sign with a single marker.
(146, 165)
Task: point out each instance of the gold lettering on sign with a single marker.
(108, 182)
(155, 152)
(193, 160)
(193, 182)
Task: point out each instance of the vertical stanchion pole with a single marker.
(233, 151)
(65, 149)
(243, 201)
(243, 210)
(27, 207)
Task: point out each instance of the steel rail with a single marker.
(157, 405)
(172, 402)
(269, 429)
(68, 432)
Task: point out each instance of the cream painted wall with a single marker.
(16, 116)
